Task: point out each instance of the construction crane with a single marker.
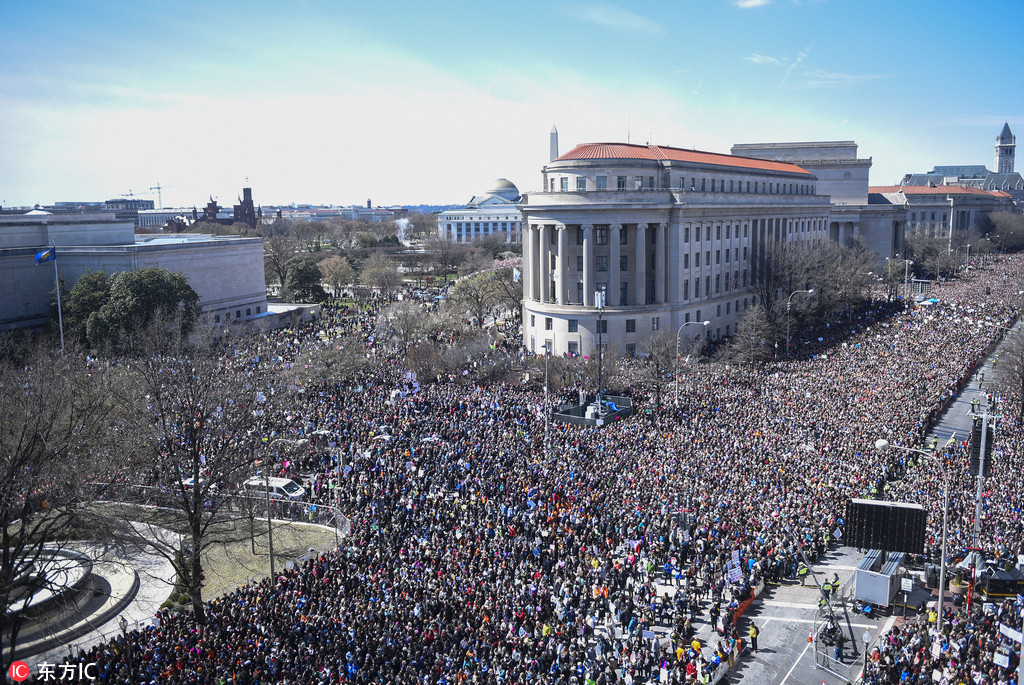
(159, 197)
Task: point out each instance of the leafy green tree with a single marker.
(139, 298)
(88, 295)
(302, 281)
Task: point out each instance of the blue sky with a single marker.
(407, 102)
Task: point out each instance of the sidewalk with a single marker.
(957, 417)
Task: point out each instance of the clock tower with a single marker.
(1006, 143)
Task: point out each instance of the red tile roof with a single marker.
(938, 190)
(662, 153)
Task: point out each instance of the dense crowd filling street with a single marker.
(480, 555)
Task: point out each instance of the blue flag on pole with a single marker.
(47, 255)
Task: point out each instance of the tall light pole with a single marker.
(675, 374)
(789, 304)
(906, 280)
(547, 405)
(599, 303)
(882, 445)
(949, 247)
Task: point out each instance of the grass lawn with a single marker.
(229, 561)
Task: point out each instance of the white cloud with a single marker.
(764, 59)
(796, 63)
(609, 16)
(819, 78)
(748, 4)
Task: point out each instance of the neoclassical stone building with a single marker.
(666, 234)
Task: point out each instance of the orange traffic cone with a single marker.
(810, 635)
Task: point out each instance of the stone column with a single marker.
(674, 263)
(561, 279)
(641, 264)
(588, 265)
(544, 263)
(612, 298)
(659, 263)
(529, 263)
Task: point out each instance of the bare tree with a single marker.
(475, 261)
(658, 357)
(508, 287)
(475, 295)
(337, 272)
(420, 226)
(337, 359)
(777, 269)
(193, 416)
(757, 337)
(56, 420)
(381, 272)
(403, 323)
(1010, 365)
(446, 254)
(278, 248)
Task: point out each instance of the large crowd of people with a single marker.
(480, 553)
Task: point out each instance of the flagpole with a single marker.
(56, 280)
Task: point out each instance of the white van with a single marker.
(280, 488)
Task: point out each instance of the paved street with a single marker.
(787, 612)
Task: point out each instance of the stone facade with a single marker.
(667, 234)
(878, 222)
(226, 272)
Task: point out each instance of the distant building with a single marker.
(245, 212)
(492, 213)
(1004, 178)
(226, 271)
(666, 235)
(158, 218)
(855, 214)
(952, 211)
(127, 208)
(352, 213)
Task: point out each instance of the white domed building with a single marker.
(494, 212)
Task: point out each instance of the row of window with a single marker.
(602, 324)
(487, 226)
(601, 232)
(729, 281)
(238, 314)
(601, 261)
(452, 217)
(714, 185)
(924, 216)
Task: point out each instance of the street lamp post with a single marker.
(547, 404)
(881, 445)
(599, 303)
(906, 280)
(949, 247)
(675, 373)
(789, 304)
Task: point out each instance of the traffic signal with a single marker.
(976, 440)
